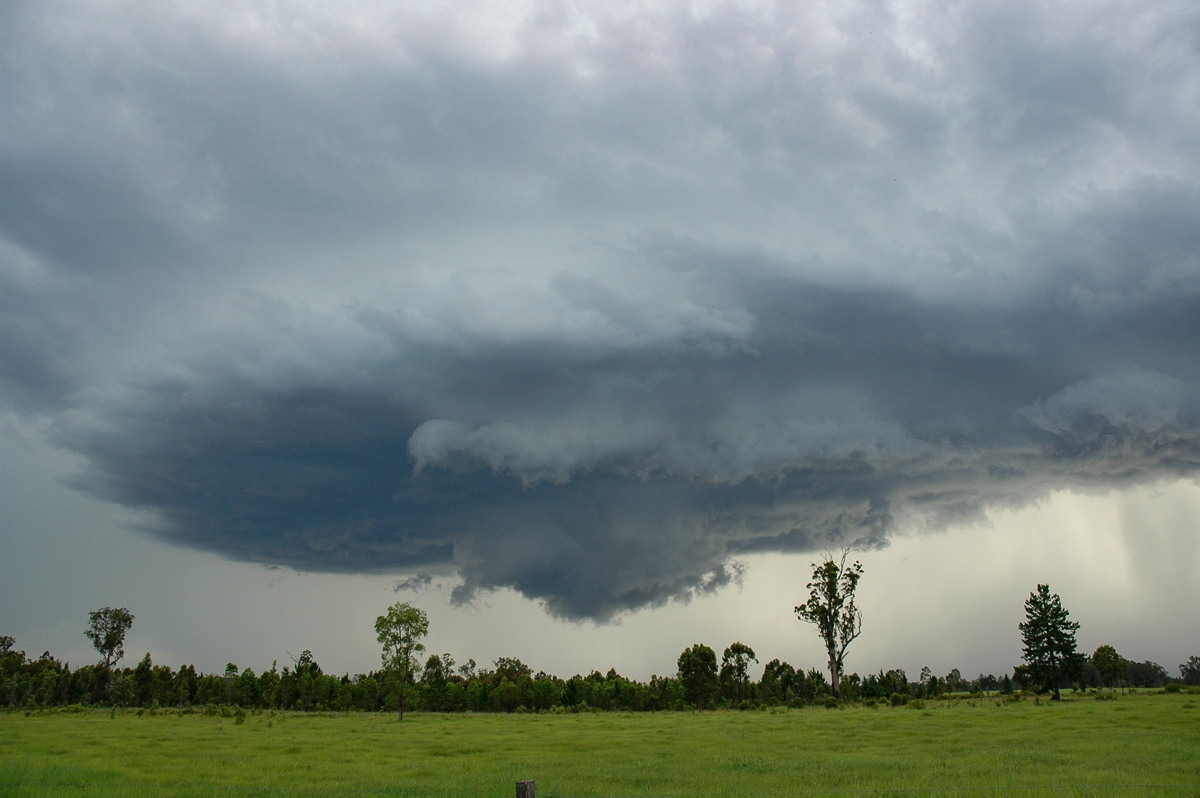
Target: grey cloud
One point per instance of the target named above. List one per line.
(605, 481)
(1139, 400)
(415, 583)
(589, 304)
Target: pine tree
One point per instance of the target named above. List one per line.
(1049, 643)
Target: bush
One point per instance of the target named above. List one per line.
(832, 703)
(916, 703)
(899, 699)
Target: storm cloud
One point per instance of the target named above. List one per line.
(589, 303)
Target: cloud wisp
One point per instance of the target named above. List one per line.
(590, 304)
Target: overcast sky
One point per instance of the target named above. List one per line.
(587, 327)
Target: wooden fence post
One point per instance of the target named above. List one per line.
(526, 789)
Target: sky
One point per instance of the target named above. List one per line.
(588, 327)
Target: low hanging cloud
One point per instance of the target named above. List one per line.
(590, 304)
(606, 479)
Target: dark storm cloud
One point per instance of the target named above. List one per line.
(607, 478)
(590, 304)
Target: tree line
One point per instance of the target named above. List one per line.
(440, 684)
(509, 685)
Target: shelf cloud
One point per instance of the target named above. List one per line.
(590, 304)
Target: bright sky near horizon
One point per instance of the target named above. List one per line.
(587, 326)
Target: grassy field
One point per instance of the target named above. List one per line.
(1134, 745)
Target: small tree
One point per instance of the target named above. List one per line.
(830, 607)
(1049, 643)
(1109, 665)
(106, 629)
(777, 684)
(400, 632)
(1147, 674)
(735, 666)
(1189, 671)
(698, 675)
(436, 676)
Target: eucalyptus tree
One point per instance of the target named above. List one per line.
(735, 666)
(698, 675)
(1189, 671)
(830, 607)
(400, 632)
(106, 629)
(1110, 666)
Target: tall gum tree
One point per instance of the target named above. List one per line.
(107, 627)
(399, 633)
(735, 664)
(830, 607)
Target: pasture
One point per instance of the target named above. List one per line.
(1147, 744)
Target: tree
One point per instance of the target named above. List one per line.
(436, 677)
(1189, 671)
(926, 681)
(777, 683)
(698, 675)
(512, 669)
(830, 607)
(1147, 674)
(400, 632)
(106, 629)
(306, 664)
(1110, 665)
(735, 664)
(1049, 643)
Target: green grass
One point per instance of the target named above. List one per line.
(1135, 745)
